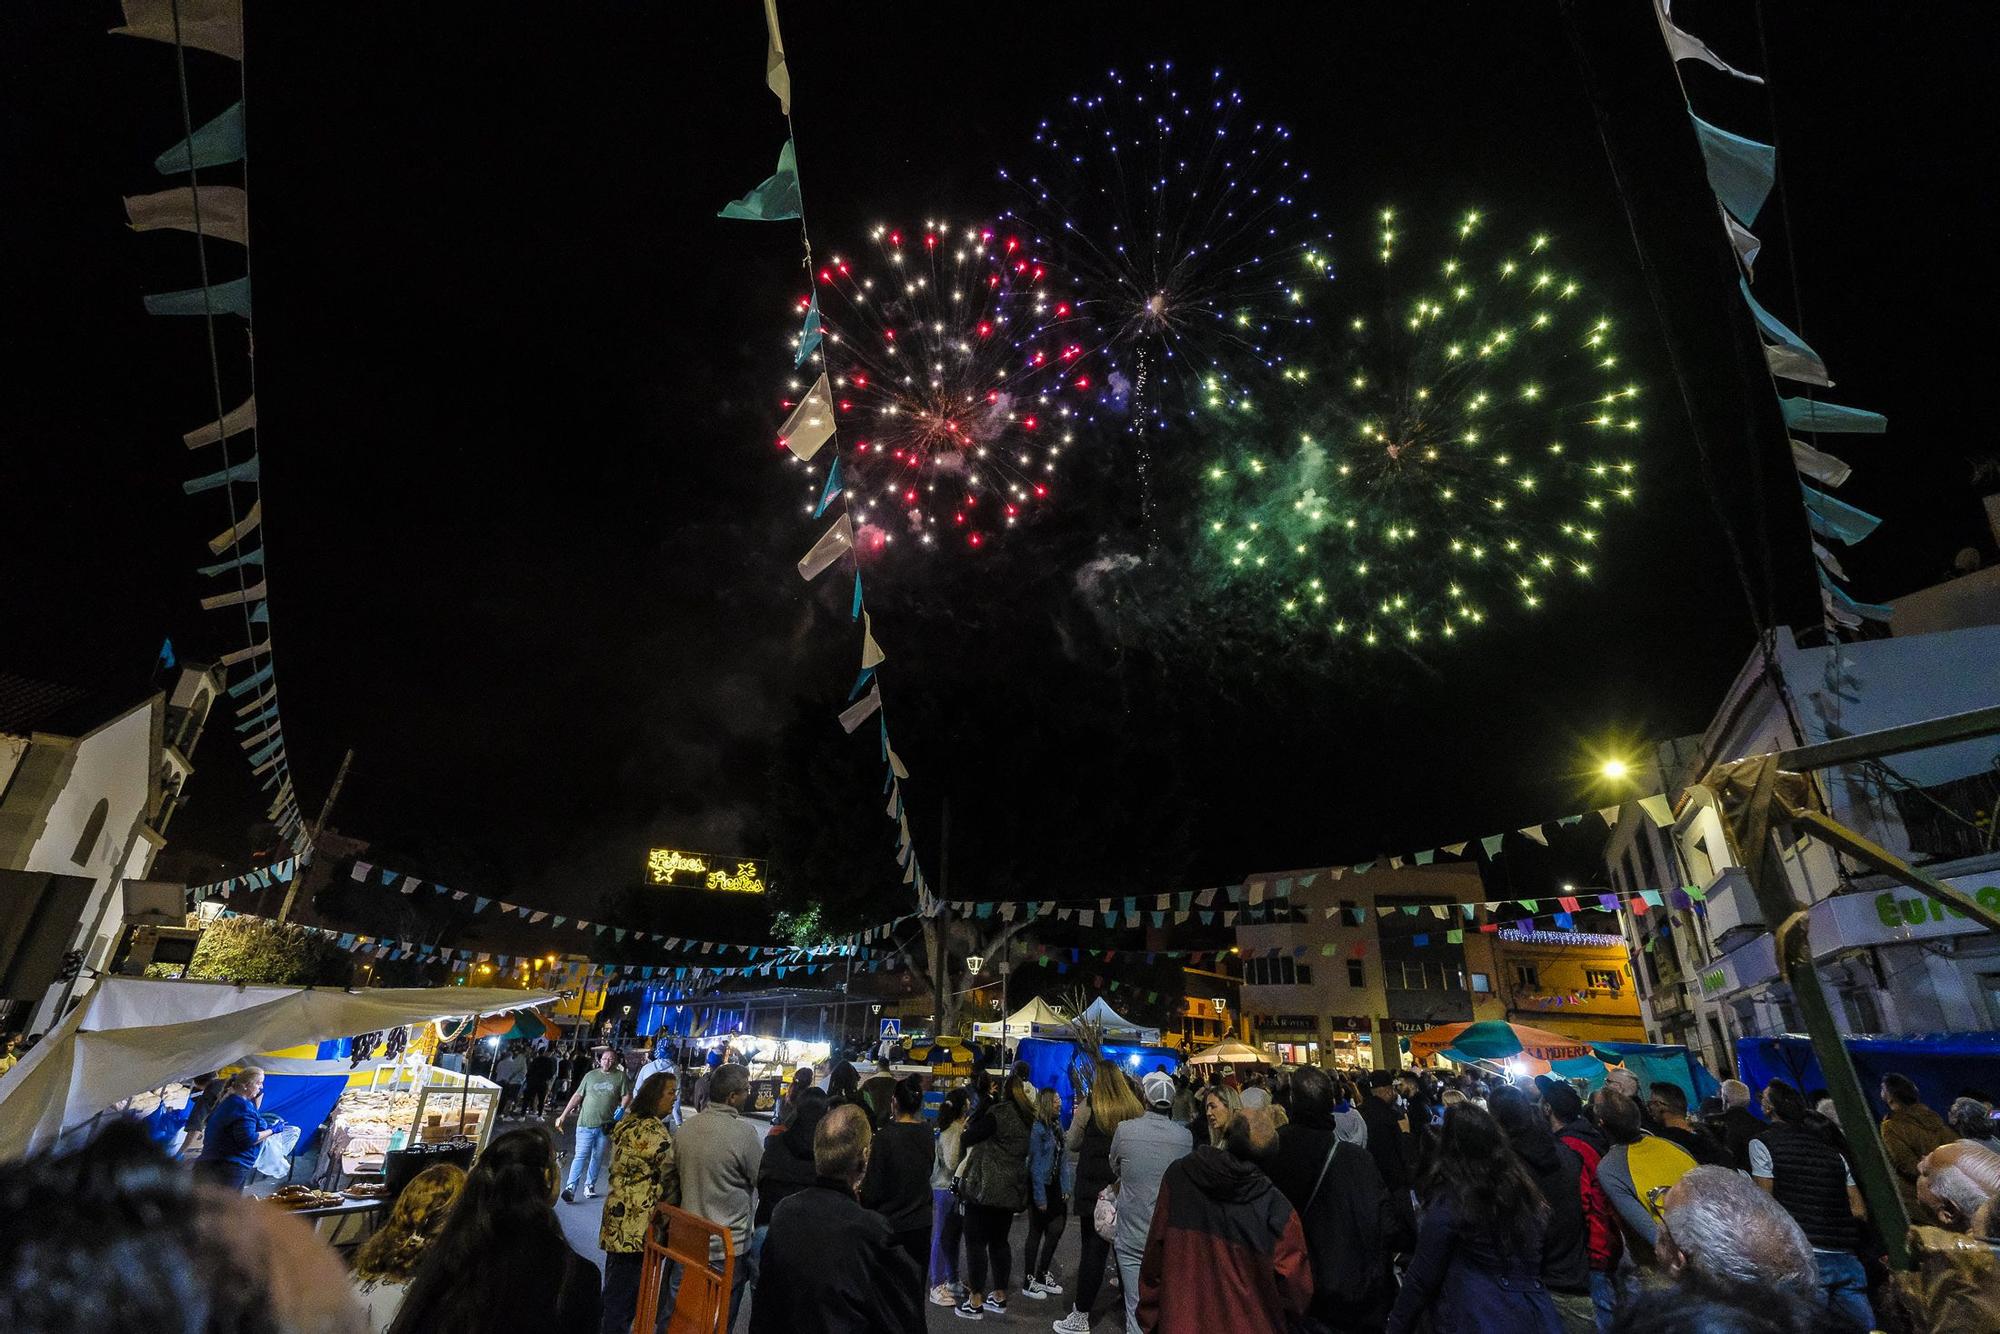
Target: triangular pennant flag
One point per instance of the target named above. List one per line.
(246, 471)
(867, 674)
(206, 25)
(810, 335)
(1784, 351)
(241, 595)
(810, 424)
(222, 211)
(239, 418)
(215, 144)
(1684, 45)
(230, 298)
(777, 77)
(1455, 849)
(834, 543)
(1821, 467)
(255, 556)
(1742, 240)
(1805, 414)
(857, 713)
(855, 615)
(1490, 844)
(1658, 810)
(1874, 611)
(243, 527)
(1534, 831)
(896, 769)
(826, 496)
(776, 199)
(1426, 857)
(1837, 519)
(1740, 171)
(1608, 814)
(1826, 558)
(1455, 936)
(871, 652)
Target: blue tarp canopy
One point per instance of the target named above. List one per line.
(1942, 1065)
(1049, 1061)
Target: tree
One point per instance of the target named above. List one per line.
(256, 949)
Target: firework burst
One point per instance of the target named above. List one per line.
(954, 406)
(1450, 445)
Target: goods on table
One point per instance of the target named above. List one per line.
(305, 1197)
(367, 1190)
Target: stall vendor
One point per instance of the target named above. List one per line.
(234, 1130)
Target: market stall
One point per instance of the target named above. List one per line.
(133, 1034)
(1512, 1049)
(1050, 1060)
(1036, 1019)
(1115, 1026)
(1230, 1052)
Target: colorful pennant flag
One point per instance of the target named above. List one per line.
(776, 199)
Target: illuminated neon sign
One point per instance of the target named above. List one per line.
(700, 870)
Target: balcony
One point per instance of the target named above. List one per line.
(1733, 914)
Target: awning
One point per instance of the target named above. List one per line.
(1535, 1050)
(1117, 1028)
(1230, 1053)
(132, 1034)
(1036, 1019)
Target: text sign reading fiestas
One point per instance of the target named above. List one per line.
(701, 870)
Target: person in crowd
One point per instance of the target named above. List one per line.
(1697, 1310)
(1417, 1106)
(112, 1236)
(1909, 1131)
(1622, 1081)
(233, 1131)
(878, 1098)
(1348, 1123)
(996, 1188)
(1719, 1230)
(1575, 1131)
(1971, 1118)
(1224, 1249)
(644, 1175)
(1477, 1264)
(898, 1181)
(802, 1079)
(1738, 1124)
(510, 1072)
(385, 1262)
(10, 1054)
(1667, 1105)
(1219, 1102)
(719, 1155)
(500, 1262)
(1560, 1176)
(1337, 1191)
(1385, 1138)
(535, 1084)
(1142, 1149)
(663, 1063)
(1049, 1180)
(830, 1264)
(1809, 1177)
(600, 1095)
(1109, 1103)
(1633, 1169)
(947, 1223)
(787, 1165)
(843, 1086)
(1953, 1283)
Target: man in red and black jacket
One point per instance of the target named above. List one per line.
(1230, 1239)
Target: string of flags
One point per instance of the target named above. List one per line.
(808, 429)
(221, 212)
(1742, 172)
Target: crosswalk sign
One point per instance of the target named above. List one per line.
(892, 1029)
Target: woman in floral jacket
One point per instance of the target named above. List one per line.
(643, 1176)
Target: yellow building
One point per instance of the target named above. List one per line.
(1570, 982)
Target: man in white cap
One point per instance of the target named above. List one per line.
(1142, 1150)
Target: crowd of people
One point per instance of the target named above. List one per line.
(1271, 1200)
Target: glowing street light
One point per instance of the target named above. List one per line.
(1615, 769)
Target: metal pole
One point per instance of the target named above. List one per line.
(326, 809)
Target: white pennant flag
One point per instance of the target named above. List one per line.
(1684, 45)
(871, 652)
(1609, 814)
(811, 422)
(1822, 467)
(254, 593)
(1658, 810)
(776, 76)
(1827, 559)
(896, 764)
(857, 713)
(1534, 831)
(1742, 240)
(224, 212)
(834, 543)
(1455, 849)
(229, 537)
(239, 418)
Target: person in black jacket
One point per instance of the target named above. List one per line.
(787, 1165)
(829, 1265)
(1738, 1125)
(1558, 1173)
(898, 1183)
(1349, 1224)
(1385, 1136)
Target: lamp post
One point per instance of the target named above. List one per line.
(1006, 968)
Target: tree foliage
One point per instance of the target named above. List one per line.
(255, 949)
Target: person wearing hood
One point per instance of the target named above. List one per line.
(1142, 1149)
(1343, 1208)
(1910, 1131)
(1477, 1267)
(1230, 1239)
(1559, 1174)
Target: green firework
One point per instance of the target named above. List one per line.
(1448, 448)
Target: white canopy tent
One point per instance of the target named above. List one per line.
(1036, 1019)
(1230, 1053)
(1117, 1028)
(133, 1034)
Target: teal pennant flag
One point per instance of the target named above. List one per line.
(215, 144)
(231, 298)
(1837, 519)
(777, 199)
(1803, 414)
(1740, 171)
(809, 337)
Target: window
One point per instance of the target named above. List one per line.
(1357, 973)
(1280, 972)
(1482, 984)
(92, 829)
(1603, 979)
(1644, 842)
(1527, 977)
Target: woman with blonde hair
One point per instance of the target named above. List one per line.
(385, 1262)
(1048, 1177)
(1219, 1102)
(1109, 1103)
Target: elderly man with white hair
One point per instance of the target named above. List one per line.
(1953, 1283)
(1718, 1228)
(1737, 1125)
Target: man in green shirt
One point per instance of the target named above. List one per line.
(600, 1095)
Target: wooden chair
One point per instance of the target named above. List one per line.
(707, 1257)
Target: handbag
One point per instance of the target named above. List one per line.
(1104, 1213)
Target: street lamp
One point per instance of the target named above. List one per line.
(975, 963)
(1615, 769)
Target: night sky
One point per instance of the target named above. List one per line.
(530, 547)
